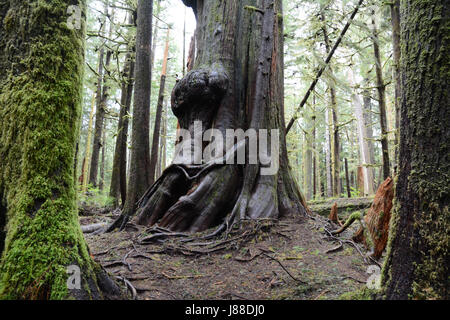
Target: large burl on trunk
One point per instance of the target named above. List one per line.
(236, 83)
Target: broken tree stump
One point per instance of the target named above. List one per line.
(334, 214)
(374, 230)
(378, 217)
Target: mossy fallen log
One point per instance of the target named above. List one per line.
(344, 205)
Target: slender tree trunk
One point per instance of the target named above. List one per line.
(162, 144)
(87, 152)
(367, 113)
(347, 179)
(363, 142)
(381, 88)
(336, 163)
(395, 20)
(314, 151)
(417, 265)
(164, 140)
(184, 43)
(99, 116)
(100, 107)
(102, 163)
(157, 127)
(335, 156)
(328, 168)
(308, 164)
(155, 34)
(139, 175)
(118, 188)
(39, 126)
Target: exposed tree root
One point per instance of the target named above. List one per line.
(187, 244)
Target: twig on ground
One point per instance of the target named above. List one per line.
(284, 268)
(321, 294)
(128, 285)
(334, 249)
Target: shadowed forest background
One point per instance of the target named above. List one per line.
(90, 117)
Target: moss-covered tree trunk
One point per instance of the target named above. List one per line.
(418, 256)
(40, 98)
(236, 82)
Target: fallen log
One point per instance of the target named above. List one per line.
(323, 207)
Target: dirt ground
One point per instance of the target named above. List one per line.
(289, 259)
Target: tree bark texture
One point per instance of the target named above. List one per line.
(139, 174)
(417, 265)
(236, 82)
(40, 106)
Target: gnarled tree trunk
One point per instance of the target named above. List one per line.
(236, 82)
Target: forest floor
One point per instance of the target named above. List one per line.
(289, 259)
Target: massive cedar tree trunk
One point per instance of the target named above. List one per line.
(417, 264)
(40, 98)
(236, 82)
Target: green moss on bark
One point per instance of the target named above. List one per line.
(418, 250)
(40, 99)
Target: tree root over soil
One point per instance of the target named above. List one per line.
(253, 255)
